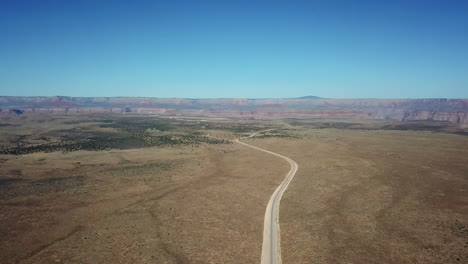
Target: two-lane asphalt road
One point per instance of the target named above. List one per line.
(271, 248)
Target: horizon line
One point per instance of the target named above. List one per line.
(245, 98)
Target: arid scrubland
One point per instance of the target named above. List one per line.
(145, 189)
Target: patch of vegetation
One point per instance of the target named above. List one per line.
(418, 125)
(277, 133)
(51, 147)
(129, 133)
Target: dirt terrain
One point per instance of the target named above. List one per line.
(162, 204)
(374, 197)
(113, 189)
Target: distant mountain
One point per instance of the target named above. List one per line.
(453, 110)
(309, 97)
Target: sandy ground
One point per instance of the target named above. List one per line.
(207, 206)
(375, 197)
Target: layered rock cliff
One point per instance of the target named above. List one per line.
(453, 110)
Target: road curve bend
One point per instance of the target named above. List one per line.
(271, 248)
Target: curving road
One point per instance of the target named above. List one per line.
(271, 248)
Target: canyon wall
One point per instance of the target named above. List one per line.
(453, 110)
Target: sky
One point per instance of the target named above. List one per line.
(241, 49)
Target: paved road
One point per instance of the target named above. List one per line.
(271, 248)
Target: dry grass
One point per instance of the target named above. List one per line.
(361, 195)
(179, 204)
(375, 197)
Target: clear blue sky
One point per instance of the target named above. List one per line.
(254, 49)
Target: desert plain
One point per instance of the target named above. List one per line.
(104, 188)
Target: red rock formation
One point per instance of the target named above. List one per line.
(453, 110)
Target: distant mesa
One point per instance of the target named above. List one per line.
(310, 97)
(17, 111)
(306, 107)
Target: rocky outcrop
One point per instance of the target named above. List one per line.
(453, 110)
